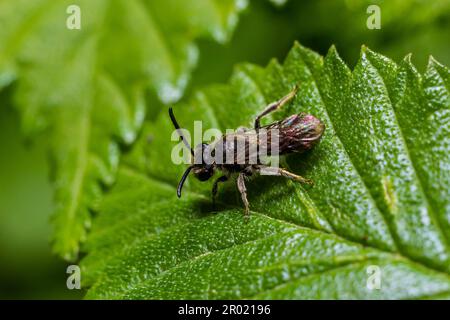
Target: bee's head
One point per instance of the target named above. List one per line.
(203, 172)
(202, 168)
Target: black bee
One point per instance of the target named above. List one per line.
(297, 133)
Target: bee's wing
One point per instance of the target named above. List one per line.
(297, 133)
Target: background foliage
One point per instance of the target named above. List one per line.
(264, 31)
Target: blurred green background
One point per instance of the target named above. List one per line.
(27, 267)
(28, 270)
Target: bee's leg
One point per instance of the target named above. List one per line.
(215, 186)
(243, 191)
(275, 106)
(282, 172)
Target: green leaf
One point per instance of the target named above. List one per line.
(380, 201)
(87, 85)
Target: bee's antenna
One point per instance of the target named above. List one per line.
(182, 138)
(183, 179)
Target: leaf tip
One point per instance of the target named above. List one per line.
(435, 66)
(367, 52)
(433, 63)
(407, 61)
(332, 53)
(409, 66)
(408, 58)
(67, 251)
(273, 61)
(363, 53)
(334, 59)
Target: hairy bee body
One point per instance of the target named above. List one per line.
(297, 133)
(244, 151)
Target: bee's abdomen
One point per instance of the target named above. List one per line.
(297, 133)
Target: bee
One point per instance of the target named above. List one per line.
(295, 134)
